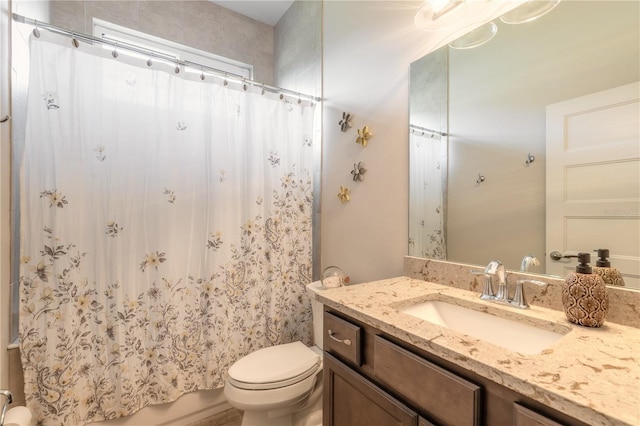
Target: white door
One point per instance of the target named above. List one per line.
(593, 180)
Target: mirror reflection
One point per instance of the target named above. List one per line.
(479, 192)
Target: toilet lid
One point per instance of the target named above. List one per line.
(274, 367)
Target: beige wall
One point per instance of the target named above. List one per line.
(199, 24)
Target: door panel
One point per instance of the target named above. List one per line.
(593, 179)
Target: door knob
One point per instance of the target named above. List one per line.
(556, 255)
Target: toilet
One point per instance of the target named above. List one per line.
(281, 385)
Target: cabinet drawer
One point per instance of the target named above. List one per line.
(526, 417)
(342, 338)
(448, 399)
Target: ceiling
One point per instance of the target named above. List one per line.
(267, 11)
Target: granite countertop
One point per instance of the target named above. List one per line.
(591, 374)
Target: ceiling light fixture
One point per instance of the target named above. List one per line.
(475, 38)
(529, 11)
(438, 15)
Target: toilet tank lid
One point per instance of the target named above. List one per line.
(274, 364)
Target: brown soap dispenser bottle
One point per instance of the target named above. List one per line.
(584, 295)
(610, 275)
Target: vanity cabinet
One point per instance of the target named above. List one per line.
(374, 379)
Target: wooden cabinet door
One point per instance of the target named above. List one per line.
(526, 417)
(448, 399)
(351, 400)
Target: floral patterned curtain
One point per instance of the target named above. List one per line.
(165, 231)
(427, 200)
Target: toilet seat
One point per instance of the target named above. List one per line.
(274, 367)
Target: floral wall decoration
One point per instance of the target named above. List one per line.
(345, 123)
(364, 135)
(358, 171)
(344, 195)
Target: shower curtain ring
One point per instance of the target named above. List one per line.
(74, 41)
(262, 91)
(115, 51)
(202, 74)
(36, 31)
(149, 61)
(299, 100)
(225, 79)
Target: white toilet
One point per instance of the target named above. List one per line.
(281, 385)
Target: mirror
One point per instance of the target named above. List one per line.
(490, 203)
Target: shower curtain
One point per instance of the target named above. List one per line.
(165, 230)
(427, 198)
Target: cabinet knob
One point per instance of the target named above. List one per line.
(332, 335)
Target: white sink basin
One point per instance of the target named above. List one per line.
(510, 334)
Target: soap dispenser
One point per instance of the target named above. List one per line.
(610, 275)
(584, 295)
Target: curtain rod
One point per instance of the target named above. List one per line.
(424, 130)
(160, 55)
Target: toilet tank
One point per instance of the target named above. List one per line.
(317, 308)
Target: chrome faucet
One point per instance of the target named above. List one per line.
(496, 268)
(528, 261)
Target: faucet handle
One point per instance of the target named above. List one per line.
(518, 298)
(487, 288)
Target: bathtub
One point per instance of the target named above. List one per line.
(186, 410)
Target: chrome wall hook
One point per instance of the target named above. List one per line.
(530, 158)
(480, 179)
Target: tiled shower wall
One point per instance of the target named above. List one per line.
(199, 24)
(298, 67)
